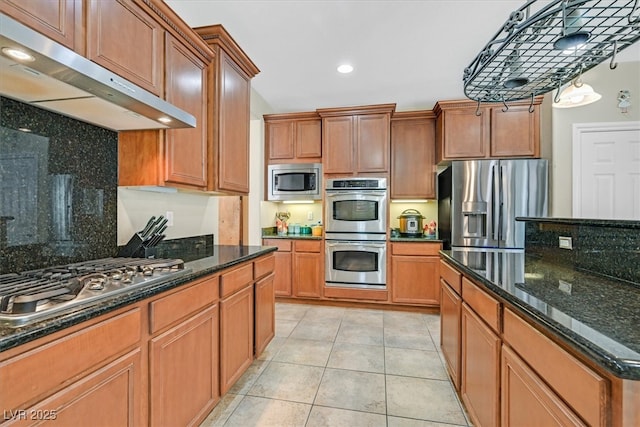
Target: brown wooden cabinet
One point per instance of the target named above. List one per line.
(464, 131)
(283, 265)
(236, 325)
(415, 273)
(480, 369)
(54, 19)
(450, 328)
(356, 139)
(265, 321)
(292, 138)
(230, 96)
(527, 400)
(308, 269)
(137, 52)
(413, 166)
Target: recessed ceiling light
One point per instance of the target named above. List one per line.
(17, 54)
(345, 68)
(164, 120)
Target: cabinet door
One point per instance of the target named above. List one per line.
(515, 132)
(372, 143)
(414, 280)
(186, 149)
(236, 336)
(413, 159)
(450, 309)
(233, 127)
(308, 274)
(308, 139)
(110, 396)
(480, 386)
(280, 140)
(183, 371)
(54, 19)
(526, 400)
(465, 135)
(126, 40)
(337, 144)
(282, 280)
(265, 321)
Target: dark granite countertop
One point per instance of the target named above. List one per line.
(223, 257)
(585, 221)
(595, 315)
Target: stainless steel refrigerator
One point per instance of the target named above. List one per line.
(479, 201)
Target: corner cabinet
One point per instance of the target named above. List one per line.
(413, 151)
(356, 139)
(293, 138)
(464, 131)
(230, 97)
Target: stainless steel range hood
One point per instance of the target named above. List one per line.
(62, 81)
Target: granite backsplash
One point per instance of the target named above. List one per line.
(606, 247)
(58, 189)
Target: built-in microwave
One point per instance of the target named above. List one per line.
(299, 181)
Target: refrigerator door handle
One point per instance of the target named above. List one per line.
(496, 199)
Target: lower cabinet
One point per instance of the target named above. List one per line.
(283, 271)
(183, 371)
(265, 319)
(480, 386)
(299, 269)
(450, 310)
(236, 336)
(415, 273)
(527, 400)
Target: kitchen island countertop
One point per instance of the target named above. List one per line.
(224, 256)
(595, 315)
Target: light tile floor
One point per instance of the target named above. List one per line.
(334, 366)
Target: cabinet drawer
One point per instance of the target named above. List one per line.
(428, 249)
(48, 367)
(263, 266)
(282, 244)
(308, 245)
(178, 305)
(236, 279)
(485, 306)
(563, 372)
(451, 276)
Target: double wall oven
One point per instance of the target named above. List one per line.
(355, 232)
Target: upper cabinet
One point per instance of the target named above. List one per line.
(413, 149)
(356, 139)
(293, 138)
(230, 96)
(464, 131)
(127, 40)
(54, 19)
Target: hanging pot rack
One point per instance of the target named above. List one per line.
(536, 52)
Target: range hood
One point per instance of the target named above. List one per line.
(544, 45)
(60, 80)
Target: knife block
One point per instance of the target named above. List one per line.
(135, 248)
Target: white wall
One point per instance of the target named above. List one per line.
(193, 214)
(608, 83)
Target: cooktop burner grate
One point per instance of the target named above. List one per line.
(38, 294)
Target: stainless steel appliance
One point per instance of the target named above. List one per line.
(355, 232)
(479, 200)
(356, 205)
(58, 79)
(411, 223)
(299, 181)
(49, 292)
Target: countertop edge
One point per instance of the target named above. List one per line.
(623, 369)
(197, 269)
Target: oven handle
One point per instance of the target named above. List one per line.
(355, 193)
(361, 244)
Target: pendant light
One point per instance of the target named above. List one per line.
(576, 95)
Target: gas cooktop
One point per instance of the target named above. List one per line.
(40, 294)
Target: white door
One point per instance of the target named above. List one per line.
(606, 171)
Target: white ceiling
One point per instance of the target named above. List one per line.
(408, 52)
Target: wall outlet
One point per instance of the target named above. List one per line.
(169, 216)
(310, 216)
(565, 242)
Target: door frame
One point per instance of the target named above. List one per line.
(579, 129)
